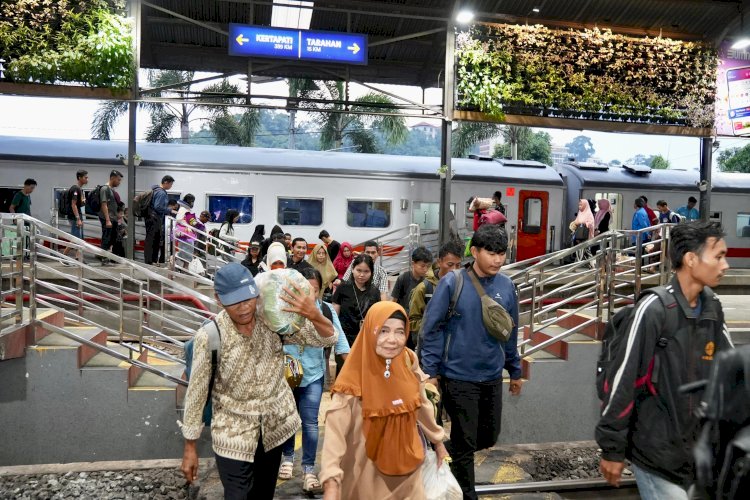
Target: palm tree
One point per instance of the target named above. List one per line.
(165, 116)
(336, 127)
(469, 133)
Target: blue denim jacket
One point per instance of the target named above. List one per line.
(461, 348)
(312, 358)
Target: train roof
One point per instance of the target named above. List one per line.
(219, 158)
(630, 176)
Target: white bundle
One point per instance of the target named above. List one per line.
(480, 204)
(270, 304)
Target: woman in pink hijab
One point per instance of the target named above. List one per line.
(603, 216)
(585, 218)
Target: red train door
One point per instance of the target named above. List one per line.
(532, 224)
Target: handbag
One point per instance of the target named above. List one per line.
(196, 267)
(293, 370)
(581, 233)
(496, 319)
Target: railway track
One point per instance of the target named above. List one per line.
(567, 489)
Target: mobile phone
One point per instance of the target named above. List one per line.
(738, 84)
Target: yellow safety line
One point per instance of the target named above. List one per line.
(508, 473)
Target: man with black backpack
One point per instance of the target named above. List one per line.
(105, 197)
(449, 258)
(468, 348)
(155, 220)
(71, 205)
(668, 339)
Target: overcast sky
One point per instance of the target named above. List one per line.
(71, 119)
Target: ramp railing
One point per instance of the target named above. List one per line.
(138, 307)
(599, 274)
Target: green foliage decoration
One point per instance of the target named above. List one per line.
(587, 74)
(74, 41)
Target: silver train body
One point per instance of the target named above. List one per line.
(359, 196)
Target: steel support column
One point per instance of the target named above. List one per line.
(135, 13)
(704, 205)
(446, 130)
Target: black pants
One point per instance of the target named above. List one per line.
(250, 480)
(475, 409)
(154, 237)
(109, 234)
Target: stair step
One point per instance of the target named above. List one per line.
(544, 356)
(152, 381)
(59, 340)
(103, 360)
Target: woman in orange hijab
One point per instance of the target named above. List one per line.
(372, 445)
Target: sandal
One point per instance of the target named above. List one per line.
(311, 484)
(285, 471)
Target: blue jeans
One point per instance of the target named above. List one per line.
(75, 230)
(308, 405)
(653, 487)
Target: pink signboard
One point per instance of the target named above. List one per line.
(733, 92)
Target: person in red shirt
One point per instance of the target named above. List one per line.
(652, 217)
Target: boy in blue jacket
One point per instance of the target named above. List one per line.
(468, 360)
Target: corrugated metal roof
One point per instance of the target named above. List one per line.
(171, 43)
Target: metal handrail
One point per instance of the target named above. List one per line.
(42, 244)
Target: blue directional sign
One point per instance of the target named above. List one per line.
(262, 41)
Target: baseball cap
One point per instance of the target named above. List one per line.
(255, 243)
(234, 283)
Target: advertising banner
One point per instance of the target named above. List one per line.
(733, 92)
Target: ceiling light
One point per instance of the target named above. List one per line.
(465, 17)
(287, 15)
(535, 10)
(741, 43)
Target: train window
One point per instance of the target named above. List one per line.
(58, 192)
(427, 214)
(6, 196)
(218, 204)
(743, 225)
(299, 211)
(364, 213)
(532, 215)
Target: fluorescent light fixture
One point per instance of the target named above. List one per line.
(741, 43)
(287, 15)
(464, 17)
(535, 10)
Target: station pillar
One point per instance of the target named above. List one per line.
(704, 204)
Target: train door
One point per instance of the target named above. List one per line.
(427, 214)
(615, 203)
(532, 224)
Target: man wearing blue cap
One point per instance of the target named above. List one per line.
(254, 411)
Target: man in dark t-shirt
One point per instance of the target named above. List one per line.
(21, 203)
(77, 201)
(332, 245)
(421, 260)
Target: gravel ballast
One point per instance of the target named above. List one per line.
(159, 484)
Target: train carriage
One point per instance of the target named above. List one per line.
(356, 197)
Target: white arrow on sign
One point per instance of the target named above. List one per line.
(241, 39)
(354, 48)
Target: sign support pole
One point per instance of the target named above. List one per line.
(135, 12)
(446, 135)
(704, 205)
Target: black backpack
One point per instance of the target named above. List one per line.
(615, 337)
(65, 201)
(722, 451)
(93, 201)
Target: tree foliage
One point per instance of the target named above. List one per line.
(80, 41)
(581, 147)
(356, 127)
(659, 162)
(215, 100)
(536, 146)
(467, 134)
(734, 159)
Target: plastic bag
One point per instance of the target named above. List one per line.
(270, 286)
(196, 267)
(439, 484)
